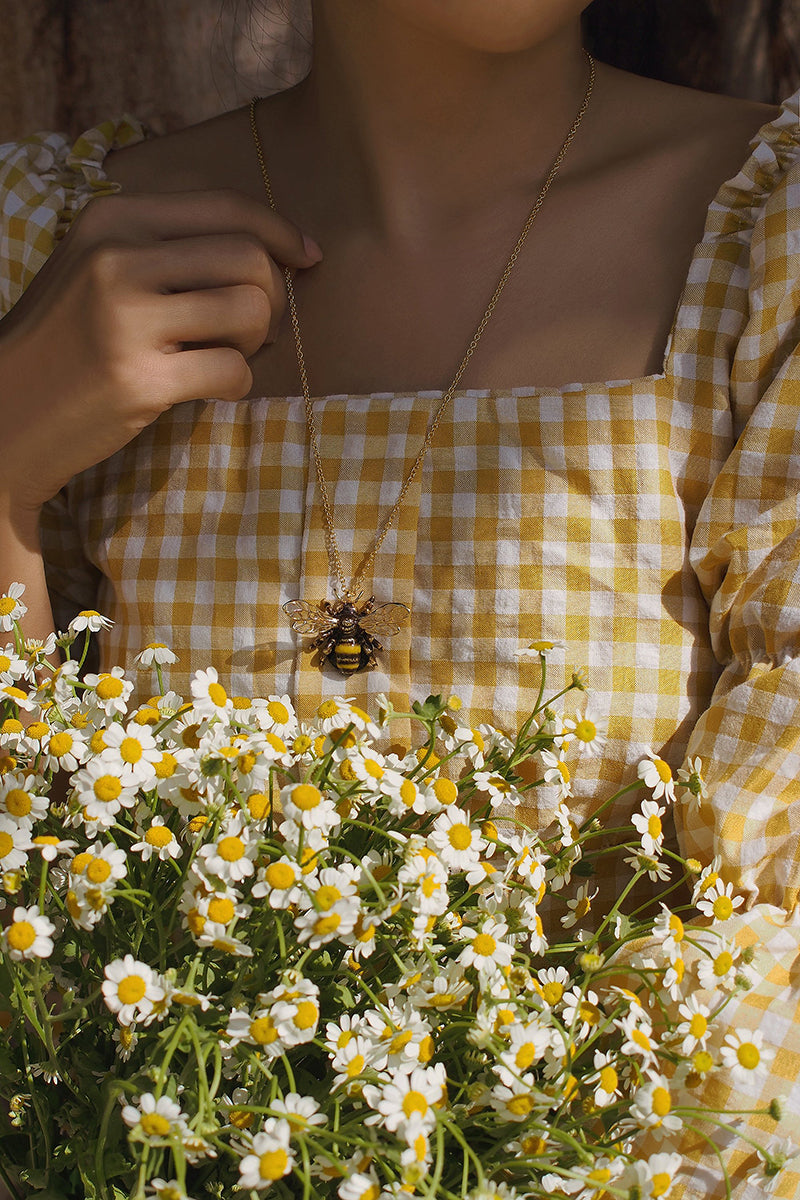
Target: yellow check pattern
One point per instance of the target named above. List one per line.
(650, 524)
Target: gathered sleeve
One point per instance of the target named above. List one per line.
(45, 181)
(745, 551)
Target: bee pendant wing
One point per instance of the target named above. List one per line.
(307, 619)
(385, 620)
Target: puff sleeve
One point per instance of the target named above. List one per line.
(745, 552)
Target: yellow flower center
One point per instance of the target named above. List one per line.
(526, 1054)
(258, 805)
(158, 835)
(520, 1106)
(131, 989)
(130, 750)
(7, 606)
(702, 1062)
(676, 928)
(107, 788)
(722, 908)
(459, 836)
(217, 695)
(277, 744)
(662, 1101)
(585, 730)
(662, 769)
(609, 1079)
(654, 826)
(552, 992)
(230, 848)
(640, 1039)
(279, 712)
(279, 875)
(355, 1066)
(305, 796)
(328, 708)
(723, 963)
(98, 870)
(18, 802)
(306, 1015)
(302, 744)
(589, 1012)
(660, 1183)
(221, 910)
(698, 1025)
(373, 768)
(484, 945)
(21, 935)
(414, 1102)
(445, 791)
(263, 1031)
(37, 730)
(109, 687)
(408, 792)
(61, 743)
(326, 925)
(748, 1055)
(327, 896)
(155, 1125)
(273, 1164)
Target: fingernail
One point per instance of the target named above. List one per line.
(311, 248)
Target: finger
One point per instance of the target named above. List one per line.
(236, 316)
(217, 373)
(168, 215)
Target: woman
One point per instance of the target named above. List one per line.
(611, 516)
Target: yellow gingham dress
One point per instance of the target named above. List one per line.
(649, 524)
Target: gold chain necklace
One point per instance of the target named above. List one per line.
(345, 634)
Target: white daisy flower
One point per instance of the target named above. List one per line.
(694, 1028)
(656, 868)
(101, 792)
(648, 824)
(652, 1106)
(579, 906)
(539, 648)
(126, 1038)
(657, 776)
(270, 1156)
(655, 1176)
(349, 1061)
(158, 839)
(499, 790)
(110, 691)
(718, 968)
(64, 750)
(231, 856)
(306, 805)
(638, 1034)
(458, 844)
(486, 947)
(280, 882)
(691, 778)
(153, 1121)
(131, 989)
(415, 1092)
(556, 773)
(360, 1186)
(581, 1011)
(50, 846)
(91, 620)
(19, 800)
(29, 935)
(12, 667)
(14, 843)
(130, 751)
(589, 733)
(719, 901)
(11, 607)
(209, 698)
(605, 1079)
(745, 1055)
(669, 930)
(155, 654)
(100, 865)
(302, 1112)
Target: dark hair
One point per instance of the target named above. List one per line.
(747, 48)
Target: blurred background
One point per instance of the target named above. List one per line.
(65, 64)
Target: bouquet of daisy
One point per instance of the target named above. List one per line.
(246, 955)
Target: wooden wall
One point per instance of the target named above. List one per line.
(65, 64)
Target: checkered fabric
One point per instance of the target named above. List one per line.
(649, 524)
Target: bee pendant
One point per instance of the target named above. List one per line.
(345, 634)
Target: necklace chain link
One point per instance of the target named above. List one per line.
(343, 591)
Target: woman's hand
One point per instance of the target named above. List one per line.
(149, 300)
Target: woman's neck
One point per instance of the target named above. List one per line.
(410, 131)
